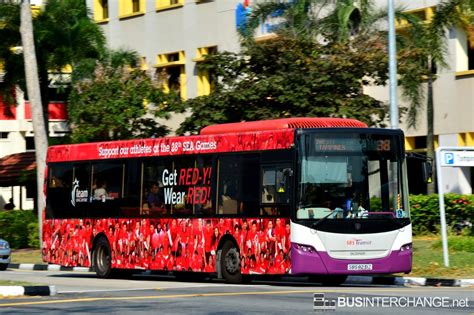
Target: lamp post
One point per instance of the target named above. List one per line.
(392, 61)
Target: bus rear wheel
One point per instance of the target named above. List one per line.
(230, 263)
(102, 258)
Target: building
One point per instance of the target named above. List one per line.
(453, 102)
(172, 37)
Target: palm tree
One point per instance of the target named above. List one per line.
(327, 21)
(32, 84)
(63, 33)
(423, 51)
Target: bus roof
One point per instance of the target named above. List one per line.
(274, 134)
(283, 123)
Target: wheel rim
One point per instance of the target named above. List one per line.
(102, 259)
(232, 261)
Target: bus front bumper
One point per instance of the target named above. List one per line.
(307, 261)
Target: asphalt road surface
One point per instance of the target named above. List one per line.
(83, 293)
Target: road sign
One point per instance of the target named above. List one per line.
(457, 158)
(449, 157)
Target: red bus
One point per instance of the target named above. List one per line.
(233, 201)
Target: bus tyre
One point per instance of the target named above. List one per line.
(3, 267)
(102, 258)
(230, 263)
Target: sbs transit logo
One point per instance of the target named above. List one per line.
(358, 242)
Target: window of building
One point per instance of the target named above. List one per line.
(128, 8)
(168, 4)
(464, 52)
(101, 10)
(170, 68)
(30, 143)
(4, 135)
(205, 83)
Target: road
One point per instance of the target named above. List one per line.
(83, 293)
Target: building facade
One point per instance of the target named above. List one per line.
(176, 33)
(173, 36)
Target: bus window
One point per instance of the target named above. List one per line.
(238, 184)
(107, 181)
(185, 177)
(203, 196)
(59, 191)
(158, 187)
(81, 189)
(107, 188)
(275, 189)
(130, 202)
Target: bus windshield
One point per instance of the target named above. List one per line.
(350, 175)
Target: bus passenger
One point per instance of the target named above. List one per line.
(155, 201)
(101, 192)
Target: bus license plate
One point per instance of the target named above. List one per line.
(359, 267)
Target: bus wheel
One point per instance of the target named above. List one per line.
(102, 258)
(230, 263)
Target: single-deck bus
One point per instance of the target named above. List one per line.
(322, 197)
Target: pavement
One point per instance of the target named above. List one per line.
(366, 280)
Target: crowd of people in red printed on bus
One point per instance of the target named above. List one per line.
(171, 244)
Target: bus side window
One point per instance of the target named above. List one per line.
(275, 188)
(59, 191)
(238, 184)
(158, 183)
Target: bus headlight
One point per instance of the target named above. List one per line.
(305, 248)
(406, 247)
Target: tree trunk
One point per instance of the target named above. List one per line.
(430, 151)
(33, 88)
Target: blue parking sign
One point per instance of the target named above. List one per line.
(449, 158)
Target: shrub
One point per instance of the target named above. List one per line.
(19, 228)
(425, 213)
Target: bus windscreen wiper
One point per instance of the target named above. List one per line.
(334, 212)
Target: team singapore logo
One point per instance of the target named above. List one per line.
(78, 195)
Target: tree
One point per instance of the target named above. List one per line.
(33, 87)
(314, 67)
(423, 51)
(117, 100)
(64, 34)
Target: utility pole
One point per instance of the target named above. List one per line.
(34, 94)
(392, 60)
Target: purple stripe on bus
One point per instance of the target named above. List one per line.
(305, 262)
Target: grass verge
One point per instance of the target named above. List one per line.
(428, 258)
(26, 256)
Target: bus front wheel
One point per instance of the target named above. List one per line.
(230, 263)
(102, 258)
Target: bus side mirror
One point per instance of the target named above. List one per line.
(427, 170)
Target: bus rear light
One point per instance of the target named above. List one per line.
(406, 247)
(305, 248)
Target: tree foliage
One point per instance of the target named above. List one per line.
(116, 101)
(64, 35)
(292, 76)
(423, 49)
